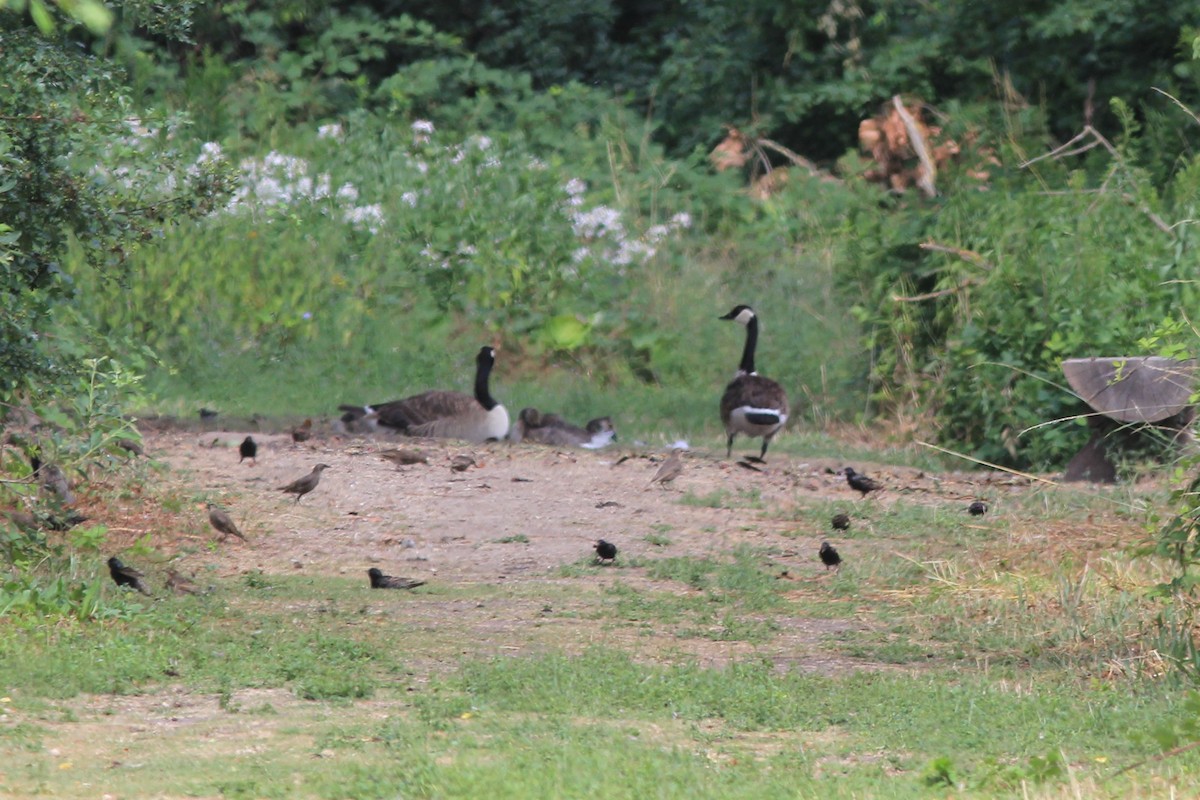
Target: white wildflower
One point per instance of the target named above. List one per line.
(347, 192)
(575, 186)
(331, 131)
(681, 220)
(410, 198)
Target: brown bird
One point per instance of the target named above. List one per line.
(404, 457)
(179, 584)
(670, 469)
(840, 522)
(126, 576)
(53, 479)
(381, 581)
(302, 432)
(224, 523)
(248, 449)
(829, 556)
(461, 463)
(302, 486)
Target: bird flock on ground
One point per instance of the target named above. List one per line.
(751, 405)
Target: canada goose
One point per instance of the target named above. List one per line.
(441, 414)
(551, 429)
(752, 405)
(305, 484)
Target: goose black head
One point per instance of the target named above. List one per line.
(740, 313)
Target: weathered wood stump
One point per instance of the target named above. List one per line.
(1127, 389)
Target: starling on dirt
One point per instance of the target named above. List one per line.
(65, 523)
(381, 581)
(605, 551)
(302, 432)
(829, 556)
(861, 483)
(840, 522)
(461, 463)
(248, 449)
(670, 469)
(126, 576)
(977, 508)
(302, 486)
(224, 523)
(179, 584)
(131, 447)
(404, 457)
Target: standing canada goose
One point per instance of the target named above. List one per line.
(551, 429)
(445, 415)
(752, 405)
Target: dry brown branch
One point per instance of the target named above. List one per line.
(1174, 100)
(917, 298)
(1174, 751)
(970, 256)
(927, 177)
(796, 159)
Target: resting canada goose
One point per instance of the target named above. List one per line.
(551, 429)
(752, 405)
(445, 415)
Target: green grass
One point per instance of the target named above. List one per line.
(987, 658)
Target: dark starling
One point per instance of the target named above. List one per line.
(670, 469)
(977, 508)
(404, 457)
(302, 432)
(302, 486)
(126, 576)
(829, 556)
(207, 414)
(248, 449)
(65, 523)
(224, 523)
(130, 446)
(605, 551)
(381, 581)
(179, 584)
(861, 483)
(840, 522)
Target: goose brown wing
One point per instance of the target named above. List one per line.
(423, 409)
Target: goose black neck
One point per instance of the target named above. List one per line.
(483, 369)
(747, 365)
